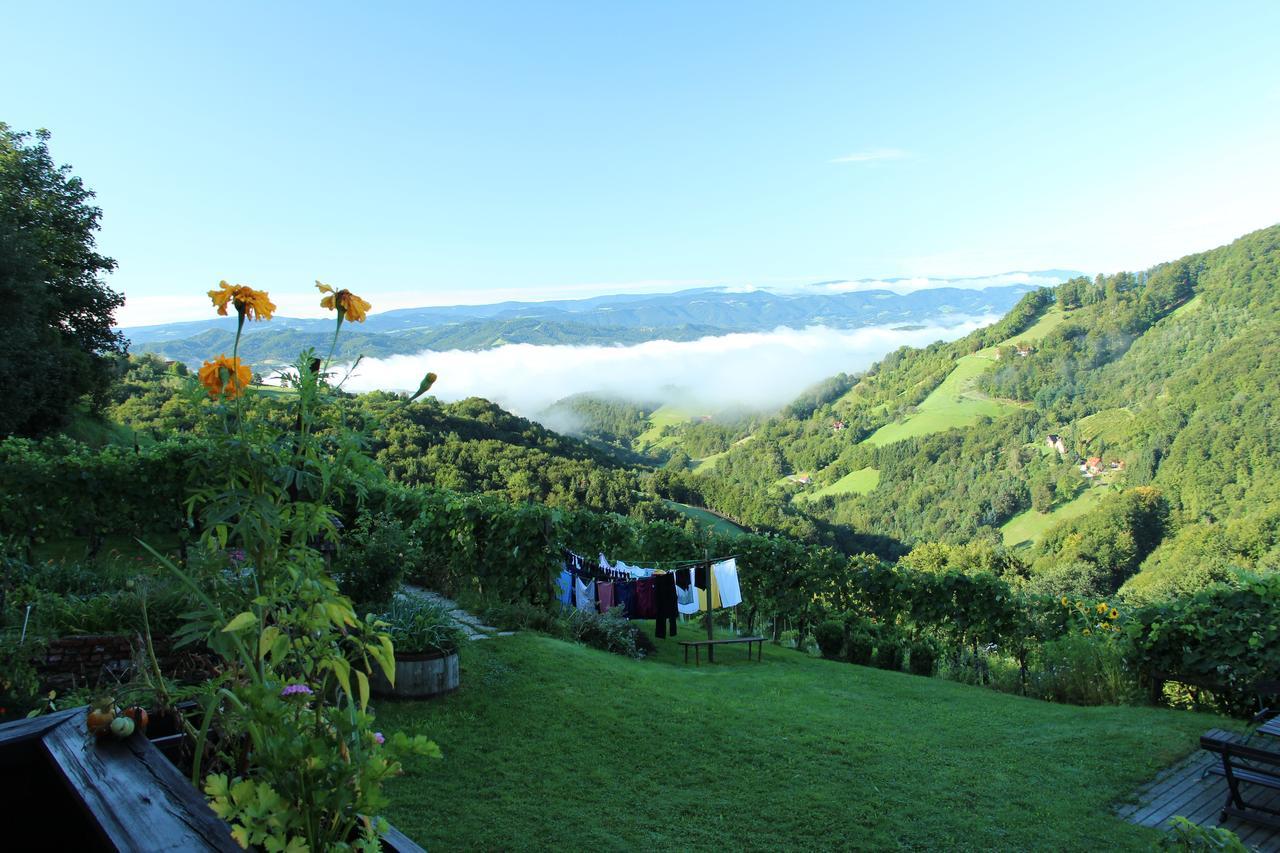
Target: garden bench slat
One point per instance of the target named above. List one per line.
(697, 645)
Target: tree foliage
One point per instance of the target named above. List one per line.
(58, 312)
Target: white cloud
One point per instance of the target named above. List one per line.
(872, 155)
(913, 284)
(757, 370)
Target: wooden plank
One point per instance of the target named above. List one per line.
(1186, 786)
(137, 798)
(34, 727)
(399, 842)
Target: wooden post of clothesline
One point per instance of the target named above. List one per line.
(706, 561)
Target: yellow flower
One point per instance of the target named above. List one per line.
(1066, 602)
(252, 304)
(1087, 632)
(1113, 615)
(1102, 607)
(348, 305)
(1079, 605)
(225, 376)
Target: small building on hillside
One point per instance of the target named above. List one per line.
(802, 479)
(1055, 442)
(1023, 350)
(838, 426)
(1094, 464)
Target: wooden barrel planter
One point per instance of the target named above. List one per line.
(419, 676)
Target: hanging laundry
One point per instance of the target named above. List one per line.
(726, 573)
(700, 579)
(604, 595)
(586, 597)
(564, 588)
(646, 606)
(665, 605)
(624, 594)
(687, 598)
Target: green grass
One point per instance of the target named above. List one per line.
(663, 416)
(1026, 528)
(956, 402)
(858, 482)
(706, 463)
(706, 518)
(549, 745)
(1114, 426)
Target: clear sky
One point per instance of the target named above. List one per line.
(430, 153)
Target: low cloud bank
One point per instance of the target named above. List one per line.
(756, 370)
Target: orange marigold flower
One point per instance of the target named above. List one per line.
(225, 376)
(253, 304)
(347, 304)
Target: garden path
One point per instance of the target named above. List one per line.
(468, 622)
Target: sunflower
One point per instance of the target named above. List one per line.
(250, 304)
(1113, 615)
(1101, 608)
(347, 304)
(225, 376)
(1066, 602)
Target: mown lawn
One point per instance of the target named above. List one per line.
(550, 745)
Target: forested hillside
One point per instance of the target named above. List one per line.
(1117, 432)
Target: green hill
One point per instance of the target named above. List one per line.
(1166, 377)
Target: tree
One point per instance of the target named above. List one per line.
(58, 313)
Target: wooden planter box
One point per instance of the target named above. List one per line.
(419, 676)
(67, 790)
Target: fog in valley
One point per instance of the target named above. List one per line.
(755, 370)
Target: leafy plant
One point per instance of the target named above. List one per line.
(830, 638)
(417, 625)
(1185, 835)
(923, 659)
(303, 766)
(890, 652)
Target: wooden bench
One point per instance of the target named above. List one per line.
(1251, 762)
(711, 646)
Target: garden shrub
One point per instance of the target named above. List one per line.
(1084, 669)
(611, 631)
(859, 646)
(890, 651)
(830, 637)
(375, 558)
(923, 658)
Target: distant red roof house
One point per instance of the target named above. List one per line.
(837, 426)
(1094, 464)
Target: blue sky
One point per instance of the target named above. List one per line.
(424, 154)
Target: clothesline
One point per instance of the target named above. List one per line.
(646, 593)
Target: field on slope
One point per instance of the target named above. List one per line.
(550, 745)
(857, 482)
(706, 518)
(957, 402)
(1027, 527)
(663, 416)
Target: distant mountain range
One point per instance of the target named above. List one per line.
(613, 319)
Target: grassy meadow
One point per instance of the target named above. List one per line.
(550, 745)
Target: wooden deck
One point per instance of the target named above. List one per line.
(1186, 790)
